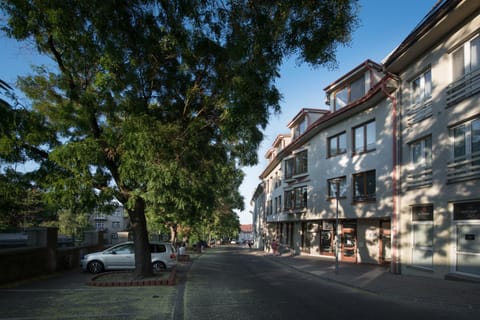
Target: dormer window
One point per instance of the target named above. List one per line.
(300, 128)
(353, 91)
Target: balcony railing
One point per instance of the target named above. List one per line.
(463, 88)
(419, 111)
(465, 168)
(99, 217)
(419, 178)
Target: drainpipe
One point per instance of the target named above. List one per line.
(395, 265)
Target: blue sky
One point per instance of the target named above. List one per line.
(383, 25)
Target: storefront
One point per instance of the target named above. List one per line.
(361, 240)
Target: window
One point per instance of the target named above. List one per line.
(115, 225)
(422, 236)
(341, 99)
(357, 89)
(278, 204)
(296, 165)
(466, 59)
(301, 162)
(337, 144)
(332, 187)
(296, 198)
(289, 168)
(269, 208)
(364, 137)
(466, 139)
(300, 128)
(99, 225)
(364, 186)
(421, 88)
(421, 153)
(350, 93)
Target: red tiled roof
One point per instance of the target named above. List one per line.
(246, 228)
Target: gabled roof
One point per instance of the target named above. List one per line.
(444, 17)
(355, 72)
(373, 96)
(302, 113)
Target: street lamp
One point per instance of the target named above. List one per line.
(337, 238)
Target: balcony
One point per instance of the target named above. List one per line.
(418, 112)
(465, 168)
(100, 217)
(463, 88)
(419, 178)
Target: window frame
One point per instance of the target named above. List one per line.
(464, 52)
(345, 93)
(426, 156)
(296, 198)
(337, 139)
(424, 88)
(301, 162)
(365, 148)
(332, 186)
(366, 197)
(467, 139)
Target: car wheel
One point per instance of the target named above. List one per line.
(95, 267)
(158, 266)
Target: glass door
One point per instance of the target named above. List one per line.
(349, 244)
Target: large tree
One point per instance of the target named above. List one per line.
(152, 98)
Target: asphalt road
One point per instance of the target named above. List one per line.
(224, 283)
(228, 283)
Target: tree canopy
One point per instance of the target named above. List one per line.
(158, 102)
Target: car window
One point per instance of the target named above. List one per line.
(124, 249)
(157, 248)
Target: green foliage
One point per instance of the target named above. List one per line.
(158, 102)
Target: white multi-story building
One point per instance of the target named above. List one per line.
(439, 145)
(395, 160)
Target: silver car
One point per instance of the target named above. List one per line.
(122, 256)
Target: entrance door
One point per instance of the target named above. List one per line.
(385, 242)
(468, 248)
(349, 244)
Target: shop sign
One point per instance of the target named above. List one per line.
(422, 213)
(466, 211)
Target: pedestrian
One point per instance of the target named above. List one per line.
(181, 250)
(275, 247)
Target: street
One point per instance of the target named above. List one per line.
(230, 283)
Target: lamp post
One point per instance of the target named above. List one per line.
(337, 238)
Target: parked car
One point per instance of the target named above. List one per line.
(122, 256)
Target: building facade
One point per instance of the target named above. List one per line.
(391, 169)
(439, 97)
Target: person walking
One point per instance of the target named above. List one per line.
(275, 247)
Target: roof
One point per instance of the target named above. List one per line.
(246, 228)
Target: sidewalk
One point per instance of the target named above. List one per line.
(378, 280)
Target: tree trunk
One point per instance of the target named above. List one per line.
(143, 265)
(173, 233)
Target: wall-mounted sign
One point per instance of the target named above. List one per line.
(466, 211)
(470, 237)
(422, 213)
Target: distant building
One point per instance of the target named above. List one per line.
(111, 223)
(246, 232)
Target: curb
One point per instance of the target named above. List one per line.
(172, 280)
